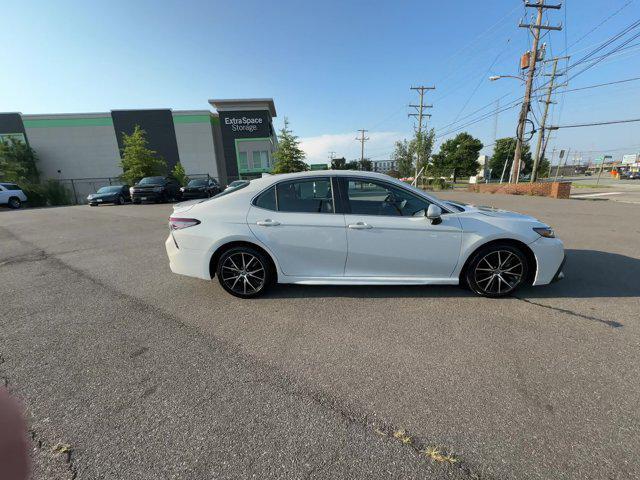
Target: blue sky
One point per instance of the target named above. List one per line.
(332, 67)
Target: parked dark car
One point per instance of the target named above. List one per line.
(201, 188)
(116, 194)
(155, 189)
(634, 175)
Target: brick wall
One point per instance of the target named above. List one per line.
(542, 189)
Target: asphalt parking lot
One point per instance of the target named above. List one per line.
(145, 374)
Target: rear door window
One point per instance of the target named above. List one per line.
(306, 196)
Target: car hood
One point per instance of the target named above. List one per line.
(497, 214)
(104, 195)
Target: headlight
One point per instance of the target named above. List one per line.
(182, 189)
(158, 189)
(131, 190)
(545, 232)
(89, 197)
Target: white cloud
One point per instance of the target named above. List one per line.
(378, 147)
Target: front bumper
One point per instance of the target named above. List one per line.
(549, 253)
(147, 196)
(193, 195)
(98, 201)
(559, 274)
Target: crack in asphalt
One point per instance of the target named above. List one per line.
(278, 379)
(610, 323)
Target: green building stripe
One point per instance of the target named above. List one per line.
(214, 120)
(67, 122)
(190, 118)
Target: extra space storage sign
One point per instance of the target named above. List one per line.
(245, 124)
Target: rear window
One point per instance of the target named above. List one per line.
(267, 199)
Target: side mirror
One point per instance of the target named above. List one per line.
(434, 212)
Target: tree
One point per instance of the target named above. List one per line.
(459, 153)
(338, 163)
(503, 152)
(18, 162)
(179, 174)
(421, 147)
(402, 156)
(289, 156)
(352, 165)
(365, 165)
(139, 161)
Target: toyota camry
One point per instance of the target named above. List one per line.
(356, 228)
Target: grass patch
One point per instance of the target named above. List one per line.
(436, 455)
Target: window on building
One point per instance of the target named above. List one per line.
(260, 159)
(305, 196)
(242, 161)
(379, 198)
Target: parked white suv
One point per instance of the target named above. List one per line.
(11, 195)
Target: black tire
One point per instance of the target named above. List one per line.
(14, 202)
(497, 270)
(244, 272)
(119, 201)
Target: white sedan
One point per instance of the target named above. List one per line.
(356, 228)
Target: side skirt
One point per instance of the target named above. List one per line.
(367, 280)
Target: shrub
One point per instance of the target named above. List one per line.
(51, 193)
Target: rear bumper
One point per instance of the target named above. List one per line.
(191, 263)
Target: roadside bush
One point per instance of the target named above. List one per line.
(51, 193)
(437, 184)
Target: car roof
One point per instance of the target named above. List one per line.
(319, 173)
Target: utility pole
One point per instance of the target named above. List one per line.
(495, 122)
(362, 139)
(539, 147)
(533, 58)
(420, 114)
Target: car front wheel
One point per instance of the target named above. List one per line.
(497, 270)
(244, 272)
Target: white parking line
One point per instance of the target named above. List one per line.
(603, 194)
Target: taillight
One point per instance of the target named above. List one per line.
(180, 223)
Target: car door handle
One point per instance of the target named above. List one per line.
(360, 226)
(268, 223)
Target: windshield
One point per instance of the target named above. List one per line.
(109, 189)
(197, 183)
(151, 180)
(237, 183)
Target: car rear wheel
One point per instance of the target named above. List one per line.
(244, 272)
(119, 200)
(14, 202)
(497, 270)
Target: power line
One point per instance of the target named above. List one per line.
(611, 122)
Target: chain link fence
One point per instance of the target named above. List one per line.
(79, 188)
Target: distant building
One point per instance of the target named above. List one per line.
(235, 141)
(384, 166)
(483, 169)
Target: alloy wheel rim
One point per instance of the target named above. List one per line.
(243, 273)
(499, 272)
